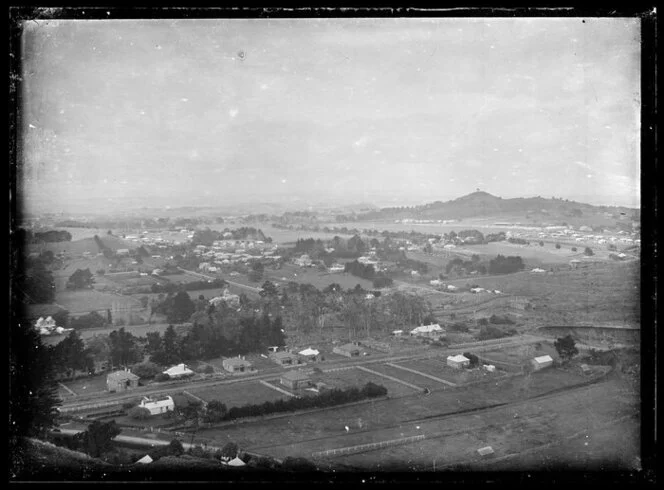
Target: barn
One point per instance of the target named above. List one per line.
(541, 362)
(458, 362)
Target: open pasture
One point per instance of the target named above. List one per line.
(519, 355)
(439, 369)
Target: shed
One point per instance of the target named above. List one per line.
(397, 333)
(542, 362)
(121, 381)
(348, 350)
(458, 362)
(295, 379)
(179, 371)
(585, 369)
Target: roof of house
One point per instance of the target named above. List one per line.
(166, 401)
(295, 376)
(458, 358)
(542, 359)
(348, 347)
(236, 462)
(484, 451)
(434, 327)
(145, 459)
(236, 361)
(309, 352)
(179, 369)
(122, 375)
(282, 355)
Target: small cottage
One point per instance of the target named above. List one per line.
(541, 362)
(121, 381)
(458, 362)
(237, 365)
(310, 355)
(295, 380)
(432, 330)
(159, 405)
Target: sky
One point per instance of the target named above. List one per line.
(400, 111)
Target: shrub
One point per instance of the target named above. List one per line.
(490, 332)
(459, 327)
(146, 370)
(162, 377)
(574, 249)
(558, 245)
(588, 251)
(208, 369)
(230, 450)
(474, 360)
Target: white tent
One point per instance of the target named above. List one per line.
(145, 459)
(236, 462)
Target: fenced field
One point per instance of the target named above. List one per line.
(238, 394)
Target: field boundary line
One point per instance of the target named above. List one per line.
(276, 388)
(449, 383)
(69, 390)
(386, 376)
(191, 395)
(367, 447)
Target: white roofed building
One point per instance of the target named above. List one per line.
(541, 362)
(158, 405)
(433, 330)
(179, 371)
(458, 362)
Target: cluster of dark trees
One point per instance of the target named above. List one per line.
(177, 307)
(460, 266)
(327, 398)
(368, 272)
(506, 265)
(213, 336)
(80, 279)
(519, 241)
(488, 332)
(51, 236)
(36, 283)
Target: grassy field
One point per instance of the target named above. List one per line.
(235, 395)
(82, 301)
(517, 355)
(83, 386)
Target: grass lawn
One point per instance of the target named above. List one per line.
(235, 395)
(305, 275)
(84, 386)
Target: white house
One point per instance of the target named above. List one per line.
(541, 362)
(435, 282)
(303, 261)
(179, 371)
(458, 362)
(122, 251)
(397, 333)
(427, 330)
(537, 269)
(145, 459)
(477, 290)
(450, 287)
(337, 268)
(159, 405)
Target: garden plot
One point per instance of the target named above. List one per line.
(85, 386)
(238, 394)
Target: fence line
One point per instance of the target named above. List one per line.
(397, 380)
(367, 447)
(448, 383)
(276, 388)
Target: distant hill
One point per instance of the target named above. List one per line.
(484, 205)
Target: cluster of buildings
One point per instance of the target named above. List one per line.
(229, 252)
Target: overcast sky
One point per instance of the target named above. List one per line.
(387, 111)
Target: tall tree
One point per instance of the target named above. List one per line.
(32, 395)
(80, 279)
(123, 348)
(98, 438)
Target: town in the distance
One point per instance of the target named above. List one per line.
(479, 333)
